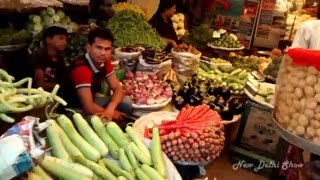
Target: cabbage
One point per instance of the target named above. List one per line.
(48, 21)
(36, 19)
(56, 18)
(43, 13)
(74, 26)
(64, 22)
(37, 28)
(60, 14)
(67, 19)
(51, 11)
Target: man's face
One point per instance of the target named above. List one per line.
(59, 42)
(100, 50)
(171, 11)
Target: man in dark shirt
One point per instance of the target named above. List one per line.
(48, 67)
(161, 21)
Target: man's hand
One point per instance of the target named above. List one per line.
(110, 114)
(174, 44)
(117, 115)
(106, 114)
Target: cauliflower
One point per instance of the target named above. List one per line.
(216, 34)
(175, 18)
(181, 17)
(236, 39)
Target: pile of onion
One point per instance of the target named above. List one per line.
(146, 89)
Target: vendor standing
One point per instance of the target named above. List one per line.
(86, 76)
(48, 66)
(161, 21)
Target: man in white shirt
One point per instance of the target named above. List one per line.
(308, 35)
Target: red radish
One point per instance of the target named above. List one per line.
(195, 145)
(216, 141)
(184, 139)
(183, 151)
(192, 155)
(190, 140)
(187, 146)
(195, 159)
(165, 151)
(168, 144)
(206, 139)
(179, 141)
(180, 155)
(174, 142)
(190, 151)
(189, 159)
(181, 146)
(194, 135)
(172, 153)
(163, 146)
(187, 135)
(202, 150)
(198, 155)
(175, 148)
(175, 158)
(202, 137)
(201, 159)
(177, 134)
(169, 149)
(171, 136)
(196, 151)
(202, 144)
(182, 159)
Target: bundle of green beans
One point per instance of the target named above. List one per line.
(132, 28)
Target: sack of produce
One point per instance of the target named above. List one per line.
(154, 62)
(128, 56)
(297, 107)
(186, 59)
(158, 69)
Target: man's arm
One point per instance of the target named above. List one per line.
(86, 100)
(40, 82)
(170, 41)
(301, 38)
(117, 90)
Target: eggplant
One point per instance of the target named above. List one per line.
(194, 101)
(179, 102)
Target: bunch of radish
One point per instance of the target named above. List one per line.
(146, 89)
(197, 135)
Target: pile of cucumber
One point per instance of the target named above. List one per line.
(80, 152)
(226, 75)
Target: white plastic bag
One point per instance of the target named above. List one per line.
(185, 63)
(159, 69)
(128, 60)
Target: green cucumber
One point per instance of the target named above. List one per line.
(157, 154)
(117, 135)
(151, 173)
(88, 133)
(87, 150)
(105, 136)
(141, 175)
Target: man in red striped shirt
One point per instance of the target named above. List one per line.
(87, 74)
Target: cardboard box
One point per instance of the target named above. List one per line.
(257, 132)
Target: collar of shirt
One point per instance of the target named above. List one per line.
(93, 67)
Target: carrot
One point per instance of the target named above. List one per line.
(187, 112)
(202, 112)
(195, 111)
(181, 113)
